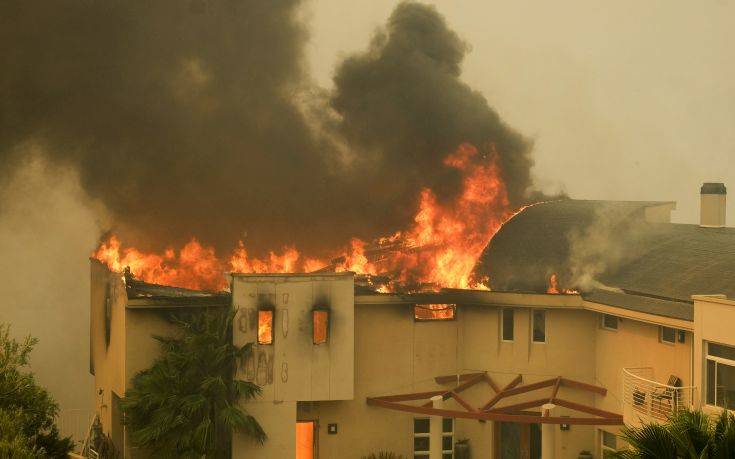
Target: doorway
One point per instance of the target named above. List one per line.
(517, 441)
(306, 440)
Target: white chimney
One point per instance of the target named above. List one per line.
(712, 205)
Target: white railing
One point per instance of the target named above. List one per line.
(645, 400)
(75, 423)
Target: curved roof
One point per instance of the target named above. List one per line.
(610, 245)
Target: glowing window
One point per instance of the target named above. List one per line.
(320, 324)
(265, 326)
(425, 312)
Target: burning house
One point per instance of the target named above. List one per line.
(591, 315)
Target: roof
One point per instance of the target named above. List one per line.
(609, 244)
(646, 304)
(162, 295)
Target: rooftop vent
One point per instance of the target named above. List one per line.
(712, 205)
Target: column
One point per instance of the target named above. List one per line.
(547, 433)
(435, 429)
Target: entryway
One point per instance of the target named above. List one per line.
(306, 440)
(517, 441)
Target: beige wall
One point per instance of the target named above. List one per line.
(714, 317)
(637, 344)
(394, 355)
(293, 368)
(108, 360)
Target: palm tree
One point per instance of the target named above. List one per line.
(185, 405)
(689, 434)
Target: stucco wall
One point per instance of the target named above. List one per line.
(394, 355)
(713, 318)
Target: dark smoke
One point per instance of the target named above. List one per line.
(186, 118)
(404, 103)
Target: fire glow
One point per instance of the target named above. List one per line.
(439, 249)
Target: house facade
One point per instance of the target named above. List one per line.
(524, 369)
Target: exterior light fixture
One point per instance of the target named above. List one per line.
(320, 325)
(265, 325)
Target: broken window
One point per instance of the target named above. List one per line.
(265, 326)
(423, 312)
(320, 324)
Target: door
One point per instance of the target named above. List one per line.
(306, 440)
(517, 441)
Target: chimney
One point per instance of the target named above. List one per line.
(712, 205)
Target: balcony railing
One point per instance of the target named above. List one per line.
(645, 400)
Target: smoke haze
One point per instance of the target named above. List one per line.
(197, 118)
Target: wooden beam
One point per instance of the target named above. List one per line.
(462, 387)
(519, 406)
(462, 402)
(584, 386)
(530, 387)
(495, 416)
(453, 378)
(492, 383)
(555, 390)
(586, 409)
(517, 380)
(412, 396)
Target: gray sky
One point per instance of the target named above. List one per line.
(625, 100)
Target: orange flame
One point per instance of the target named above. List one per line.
(440, 249)
(554, 287)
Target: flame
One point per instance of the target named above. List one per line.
(265, 326)
(439, 249)
(553, 287)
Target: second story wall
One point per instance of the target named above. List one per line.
(293, 367)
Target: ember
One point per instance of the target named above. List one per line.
(440, 249)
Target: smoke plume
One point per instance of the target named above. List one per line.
(197, 118)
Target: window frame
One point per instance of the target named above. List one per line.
(425, 453)
(605, 448)
(272, 310)
(533, 326)
(717, 362)
(449, 306)
(512, 326)
(604, 325)
(314, 311)
(661, 334)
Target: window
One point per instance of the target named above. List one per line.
(539, 326)
(320, 325)
(426, 312)
(421, 438)
(507, 324)
(608, 443)
(609, 322)
(720, 380)
(265, 326)
(667, 335)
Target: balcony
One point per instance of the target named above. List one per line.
(647, 401)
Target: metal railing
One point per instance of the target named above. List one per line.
(645, 400)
